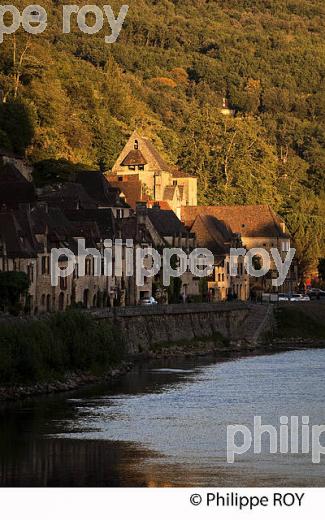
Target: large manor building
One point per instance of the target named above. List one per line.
(142, 174)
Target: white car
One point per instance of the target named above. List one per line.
(299, 298)
(283, 297)
(148, 301)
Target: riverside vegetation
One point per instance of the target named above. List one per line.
(45, 350)
(71, 101)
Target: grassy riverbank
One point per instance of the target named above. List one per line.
(306, 321)
(46, 350)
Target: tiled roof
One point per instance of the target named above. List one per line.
(14, 188)
(134, 158)
(179, 174)
(100, 190)
(248, 221)
(131, 189)
(17, 234)
(103, 218)
(166, 223)
(163, 204)
(147, 150)
(212, 234)
(68, 196)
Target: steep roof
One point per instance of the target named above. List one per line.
(131, 189)
(179, 174)
(248, 221)
(213, 234)
(14, 188)
(17, 234)
(99, 189)
(69, 196)
(134, 158)
(163, 204)
(166, 223)
(103, 218)
(148, 151)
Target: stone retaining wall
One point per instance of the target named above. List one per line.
(146, 328)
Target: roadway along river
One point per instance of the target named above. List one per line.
(165, 424)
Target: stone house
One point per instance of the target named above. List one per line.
(141, 164)
(167, 231)
(214, 235)
(258, 226)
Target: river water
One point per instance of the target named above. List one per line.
(165, 424)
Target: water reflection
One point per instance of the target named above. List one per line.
(164, 424)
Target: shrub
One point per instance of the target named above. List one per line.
(43, 350)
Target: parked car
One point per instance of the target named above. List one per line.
(148, 301)
(316, 294)
(283, 297)
(299, 298)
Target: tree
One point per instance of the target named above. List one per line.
(13, 285)
(321, 269)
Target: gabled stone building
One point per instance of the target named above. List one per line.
(258, 226)
(218, 238)
(140, 166)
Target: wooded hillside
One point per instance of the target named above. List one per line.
(74, 97)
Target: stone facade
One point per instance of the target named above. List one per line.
(143, 175)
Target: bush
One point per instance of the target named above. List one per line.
(43, 350)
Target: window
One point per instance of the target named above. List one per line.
(45, 264)
(132, 168)
(136, 144)
(88, 267)
(63, 283)
(120, 179)
(141, 167)
(174, 183)
(30, 273)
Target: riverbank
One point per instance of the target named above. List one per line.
(71, 381)
(57, 353)
(66, 351)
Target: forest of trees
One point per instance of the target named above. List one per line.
(76, 98)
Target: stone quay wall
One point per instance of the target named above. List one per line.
(146, 328)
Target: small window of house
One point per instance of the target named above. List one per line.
(141, 167)
(120, 179)
(136, 144)
(132, 168)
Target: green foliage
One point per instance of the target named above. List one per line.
(167, 74)
(51, 171)
(296, 322)
(13, 285)
(321, 269)
(17, 126)
(45, 350)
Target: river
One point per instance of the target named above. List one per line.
(165, 424)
